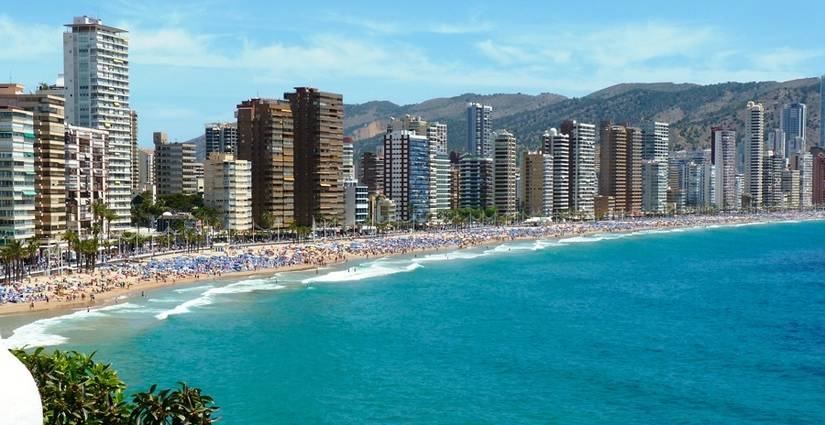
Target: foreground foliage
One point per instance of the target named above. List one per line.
(77, 390)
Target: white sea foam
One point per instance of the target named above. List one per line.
(593, 238)
(193, 289)
(451, 255)
(366, 271)
(208, 296)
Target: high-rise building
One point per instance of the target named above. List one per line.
(754, 141)
(613, 163)
(347, 164)
(407, 174)
(86, 167)
(818, 175)
(475, 182)
(557, 144)
(504, 173)
(479, 129)
(582, 168)
(804, 164)
(146, 171)
(656, 141)
(723, 157)
(96, 75)
(654, 186)
(174, 166)
(17, 137)
(368, 172)
(793, 119)
(228, 189)
(49, 158)
(221, 137)
(821, 111)
(632, 204)
(356, 203)
(133, 136)
(318, 119)
(772, 167)
(455, 179)
(536, 184)
(776, 142)
(265, 139)
(790, 189)
(439, 168)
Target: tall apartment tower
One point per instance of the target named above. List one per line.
(723, 158)
(318, 119)
(654, 186)
(407, 174)
(582, 168)
(228, 189)
(475, 182)
(821, 111)
(347, 163)
(804, 164)
(613, 163)
(776, 142)
(793, 119)
(479, 129)
(818, 175)
(455, 179)
(754, 145)
(439, 168)
(49, 157)
(368, 172)
(96, 76)
(174, 165)
(146, 171)
(133, 119)
(221, 137)
(17, 212)
(633, 176)
(504, 173)
(86, 169)
(557, 144)
(656, 148)
(772, 167)
(265, 139)
(536, 184)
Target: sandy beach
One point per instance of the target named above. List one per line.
(113, 283)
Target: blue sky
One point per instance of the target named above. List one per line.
(193, 61)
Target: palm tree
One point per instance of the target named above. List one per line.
(12, 253)
(30, 252)
(71, 237)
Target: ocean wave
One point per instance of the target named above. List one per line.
(366, 271)
(450, 255)
(593, 238)
(193, 289)
(208, 296)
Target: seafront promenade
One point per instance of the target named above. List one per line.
(108, 282)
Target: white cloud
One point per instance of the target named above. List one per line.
(28, 42)
(470, 26)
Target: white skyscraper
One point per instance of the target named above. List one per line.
(96, 74)
(557, 144)
(479, 129)
(656, 137)
(723, 157)
(439, 168)
(582, 166)
(754, 145)
(348, 167)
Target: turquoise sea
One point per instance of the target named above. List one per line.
(713, 326)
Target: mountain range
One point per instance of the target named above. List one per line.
(691, 109)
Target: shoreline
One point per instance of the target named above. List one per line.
(134, 285)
